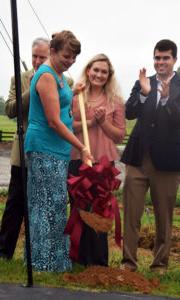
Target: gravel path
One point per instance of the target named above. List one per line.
(5, 150)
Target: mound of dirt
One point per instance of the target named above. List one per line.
(108, 277)
(147, 235)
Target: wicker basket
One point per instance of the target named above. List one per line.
(95, 221)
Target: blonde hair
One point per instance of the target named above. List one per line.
(111, 87)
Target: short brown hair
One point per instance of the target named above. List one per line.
(166, 45)
(65, 38)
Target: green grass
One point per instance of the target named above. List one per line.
(148, 201)
(3, 191)
(7, 124)
(176, 220)
(1, 209)
(129, 125)
(14, 271)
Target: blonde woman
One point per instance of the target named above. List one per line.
(106, 127)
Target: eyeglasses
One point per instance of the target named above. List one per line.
(164, 58)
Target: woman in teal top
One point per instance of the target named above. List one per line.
(40, 137)
(48, 144)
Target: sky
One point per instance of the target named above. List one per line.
(125, 30)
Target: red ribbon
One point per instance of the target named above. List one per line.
(92, 190)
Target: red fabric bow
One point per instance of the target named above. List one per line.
(92, 191)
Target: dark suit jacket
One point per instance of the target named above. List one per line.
(157, 130)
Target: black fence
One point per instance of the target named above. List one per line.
(125, 140)
(6, 136)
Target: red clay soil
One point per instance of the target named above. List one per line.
(147, 235)
(108, 277)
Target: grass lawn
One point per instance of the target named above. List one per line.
(10, 125)
(129, 125)
(7, 124)
(15, 271)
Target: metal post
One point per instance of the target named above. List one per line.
(20, 133)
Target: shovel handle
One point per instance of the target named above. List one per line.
(84, 125)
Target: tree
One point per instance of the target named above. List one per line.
(2, 106)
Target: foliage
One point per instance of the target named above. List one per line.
(3, 191)
(178, 70)
(2, 106)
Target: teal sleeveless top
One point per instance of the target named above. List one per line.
(39, 136)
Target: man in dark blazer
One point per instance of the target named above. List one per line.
(152, 155)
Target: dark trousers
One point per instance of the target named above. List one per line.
(13, 214)
(93, 249)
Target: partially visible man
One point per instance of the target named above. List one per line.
(14, 209)
(152, 155)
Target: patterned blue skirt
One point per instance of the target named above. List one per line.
(47, 206)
